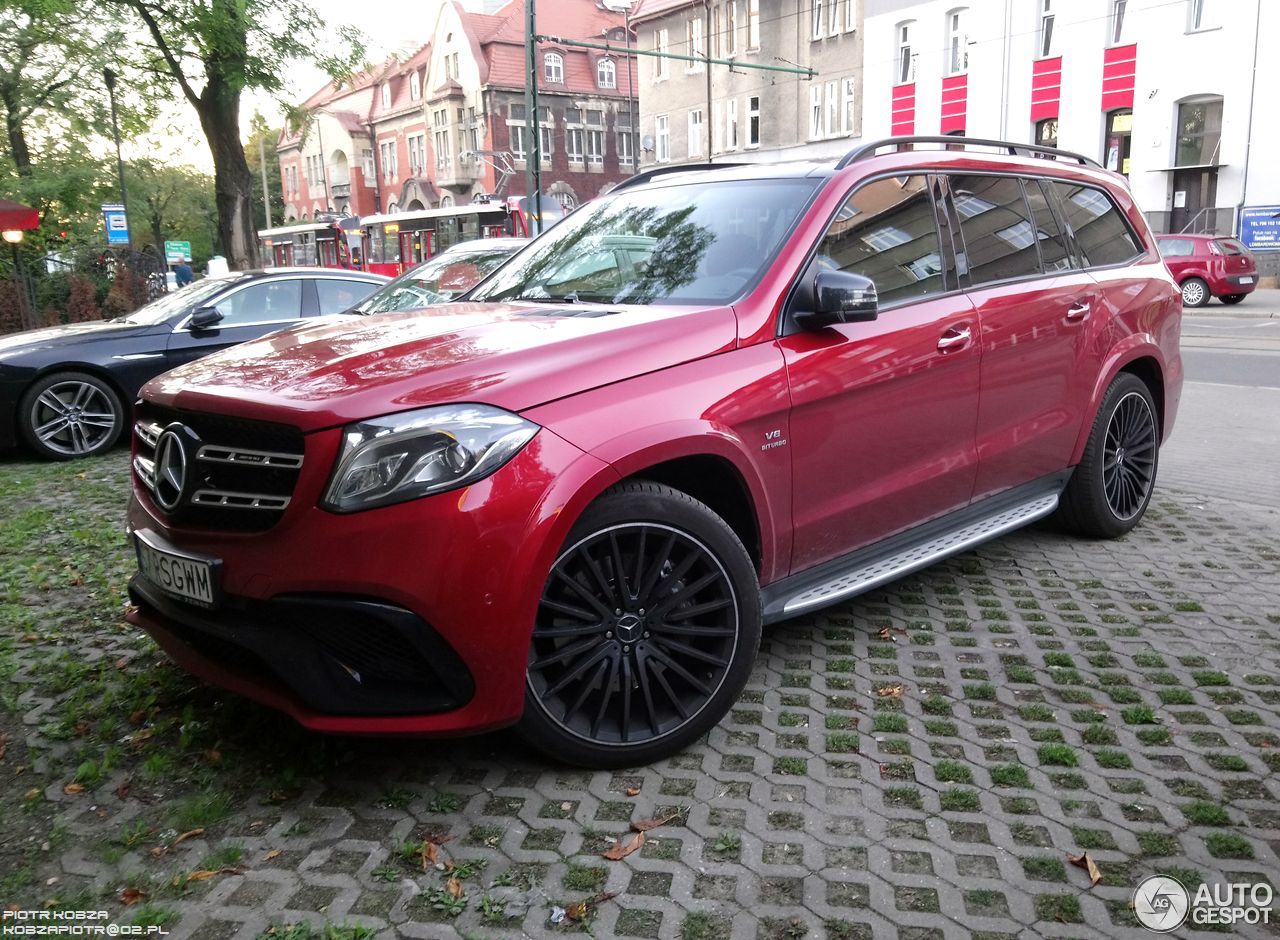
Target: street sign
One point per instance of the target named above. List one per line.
(177, 252)
(117, 225)
(1260, 228)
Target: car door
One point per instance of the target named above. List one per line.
(248, 312)
(1035, 306)
(883, 412)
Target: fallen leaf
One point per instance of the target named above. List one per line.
(122, 791)
(454, 887)
(4, 745)
(215, 756)
(71, 789)
(32, 794)
(582, 909)
(274, 853)
(1084, 861)
(621, 850)
(159, 851)
(122, 664)
(439, 838)
(890, 691)
(190, 834)
(130, 896)
(644, 825)
(886, 633)
(136, 718)
(200, 874)
(631, 791)
(429, 854)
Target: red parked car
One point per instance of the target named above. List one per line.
(1209, 266)
(715, 398)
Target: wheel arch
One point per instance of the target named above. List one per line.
(1140, 356)
(88, 368)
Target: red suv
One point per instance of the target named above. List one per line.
(715, 398)
(1208, 266)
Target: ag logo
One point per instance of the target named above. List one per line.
(1161, 903)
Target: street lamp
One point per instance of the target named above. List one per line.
(109, 78)
(13, 237)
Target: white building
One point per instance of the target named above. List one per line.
(1161, 91)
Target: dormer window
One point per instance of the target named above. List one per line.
(606, 74)
(553, 68)
(386, 95)
(415, 85)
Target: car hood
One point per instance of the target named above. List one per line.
(72, 334)
(513, 356)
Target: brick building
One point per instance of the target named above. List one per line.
(448, 123)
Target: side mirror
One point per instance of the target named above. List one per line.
(839, 297)
(205, 318)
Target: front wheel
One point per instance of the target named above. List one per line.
(1232, 298)
(646, 632)
(1195, 292)
(1109, 491)
(70, 415)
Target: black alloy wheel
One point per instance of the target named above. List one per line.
(645, 633)
(1129, 456)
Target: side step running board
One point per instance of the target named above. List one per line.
(871, 568)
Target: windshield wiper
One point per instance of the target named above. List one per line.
(570, 298)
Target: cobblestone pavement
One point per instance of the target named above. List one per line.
(918, 763)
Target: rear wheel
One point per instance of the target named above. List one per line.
(647, 629)
(1195, 292)
(1232, 298)
(1109, 491)
(69, 415)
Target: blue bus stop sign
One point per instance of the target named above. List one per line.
(117, 225)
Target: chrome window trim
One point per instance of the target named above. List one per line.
(182, 324)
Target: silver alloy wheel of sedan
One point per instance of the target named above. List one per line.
(74, 418)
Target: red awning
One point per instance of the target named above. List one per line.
(14, 215)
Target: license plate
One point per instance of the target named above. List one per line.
(192, 578)
(1245, 280)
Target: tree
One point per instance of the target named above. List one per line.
(260, 148)
(170, 202)
(213, 50)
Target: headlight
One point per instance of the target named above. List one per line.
(417, 453)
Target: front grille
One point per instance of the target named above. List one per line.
(243, 472)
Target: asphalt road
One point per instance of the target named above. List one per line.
(1237, 345)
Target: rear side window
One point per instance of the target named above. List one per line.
(1176, 247)
(886, 231)
(1053, 243)
(1103, 236)
(999, 236)
(338, 295)
(1229, 246)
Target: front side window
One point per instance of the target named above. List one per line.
(1046, 28)
(1101, 233)
(696, 243)
(266, 302)
(886, 231)
(957, 42)
(553, 68)
(1000, 239)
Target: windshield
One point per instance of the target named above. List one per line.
(438, 280)
(176, 301)
(681, 244)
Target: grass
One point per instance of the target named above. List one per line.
(201, 810)
(790, 766)
(1044, 868)
(585, 878)
(889, 724)
(1057, 755)
(1138, 715)
(1062, 908)
(1202, 813)
(1228, 845)
(1113, 759)
(1010, 775)
(950, 771)
(960, 800)
(1036, 711)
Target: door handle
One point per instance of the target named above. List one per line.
(1079, 310)
(954, 339)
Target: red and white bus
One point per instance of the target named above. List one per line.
(309, 245)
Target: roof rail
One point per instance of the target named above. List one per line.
(654, 172)
(869, 150)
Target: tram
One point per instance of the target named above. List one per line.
(309, 245)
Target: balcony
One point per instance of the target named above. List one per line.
(460, 173)
(341, 190)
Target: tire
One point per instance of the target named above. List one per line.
(1106, 496)
(1195, 292)
(69, 415)
(1231, 298)
(624, 670)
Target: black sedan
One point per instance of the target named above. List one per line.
(67, 390)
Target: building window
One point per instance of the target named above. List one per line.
(693, 36)
(444, 158)
(568, 202)
(573, 135)
(417, 153)
(1199, 132)
(1046, 28)
(817, 19)
(607, 73)
(695, 132)
(815, 112)
(753, 121)
(906, 60)
(626, 140)
(516, 128)
(849, 106)
(1117, 21)
(957, 42)
(717, 129)
(662, 138)
(731, 124)
(415, 85)
(1119, 140)
(660, 44)
(595, 138)
(833, 17)
(717, 32)
(831, 125)
(1047, 132)
(451, 69)
(731, 27)
(553, 68)
(1200, 14)
(387, 151)
(850, 15)
(753, 25)
(386, 95)
(366, 163)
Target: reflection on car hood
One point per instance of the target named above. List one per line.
(514, 356)
(55, 336)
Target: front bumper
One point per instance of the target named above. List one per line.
(431, 602)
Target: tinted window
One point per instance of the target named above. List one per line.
(337, 295)
(1176, 247)
(886, 231)
(1053, 244)
(1230, 246)
(1101, 232)
(439, 280)
(261, 303)
(999, 237)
